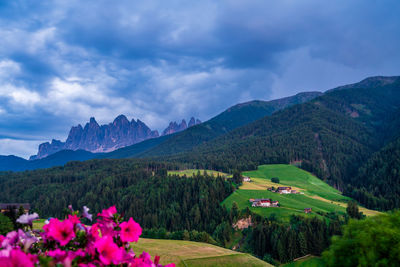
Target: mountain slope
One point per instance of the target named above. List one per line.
(377, 184)
(332, 135)
(228, 120)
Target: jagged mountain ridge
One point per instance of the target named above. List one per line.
(174, 127)
(109, 137)
(100, 138)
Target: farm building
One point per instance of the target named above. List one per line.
(5, 207)
(263, 202)
(246, 179)
(284, 190)
(307, 210)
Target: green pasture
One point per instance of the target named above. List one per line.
(38, 224)
(289, 203)
(187, 253)
(311, 261)
(290, 175)
(315, 193)
(192, 172)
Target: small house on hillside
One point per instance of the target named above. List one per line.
(263, 202)
(307, 210)
(246, 179)
(284, 190)
(5, 207)
(275, 203)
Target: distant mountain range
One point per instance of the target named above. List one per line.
(106, 138)
(175, 138)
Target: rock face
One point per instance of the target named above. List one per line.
(174, 127)
(96, 138)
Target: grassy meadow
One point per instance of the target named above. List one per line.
(187, 253)
(38, 224)
(191, 172)
(316, 194)
(311, 261)
(290, 175)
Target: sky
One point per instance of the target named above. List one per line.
(62, 62)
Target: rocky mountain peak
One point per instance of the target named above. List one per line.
(174, 127)
(121, 120)
(96, 138)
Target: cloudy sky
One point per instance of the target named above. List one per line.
(62, 62)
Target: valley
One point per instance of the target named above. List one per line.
(294, 172)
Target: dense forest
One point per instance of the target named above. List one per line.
(377, 184)
(142, 191)
(270, 239)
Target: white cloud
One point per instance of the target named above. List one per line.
(19, 96)
(21, 148)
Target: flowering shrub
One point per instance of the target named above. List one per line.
(71, 243)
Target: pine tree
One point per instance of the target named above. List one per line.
(353, 211)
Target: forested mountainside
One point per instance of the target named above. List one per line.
(232, 118)
(332, 135)
(377, 184)
(326, 142)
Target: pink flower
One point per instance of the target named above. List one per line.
(63, 232)
(108, 213)
(130, 231)
(95, 231)
(108, 250)
(18, 258)
(74, 219)
(2, 237)
(106, 221)
(86, 265)
(65, 257)
(11, 239)
(57, 254)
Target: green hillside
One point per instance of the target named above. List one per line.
(191, 254)
(307, 262)
(290, 175)
(318, 195)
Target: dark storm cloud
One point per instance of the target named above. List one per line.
(62, 62)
